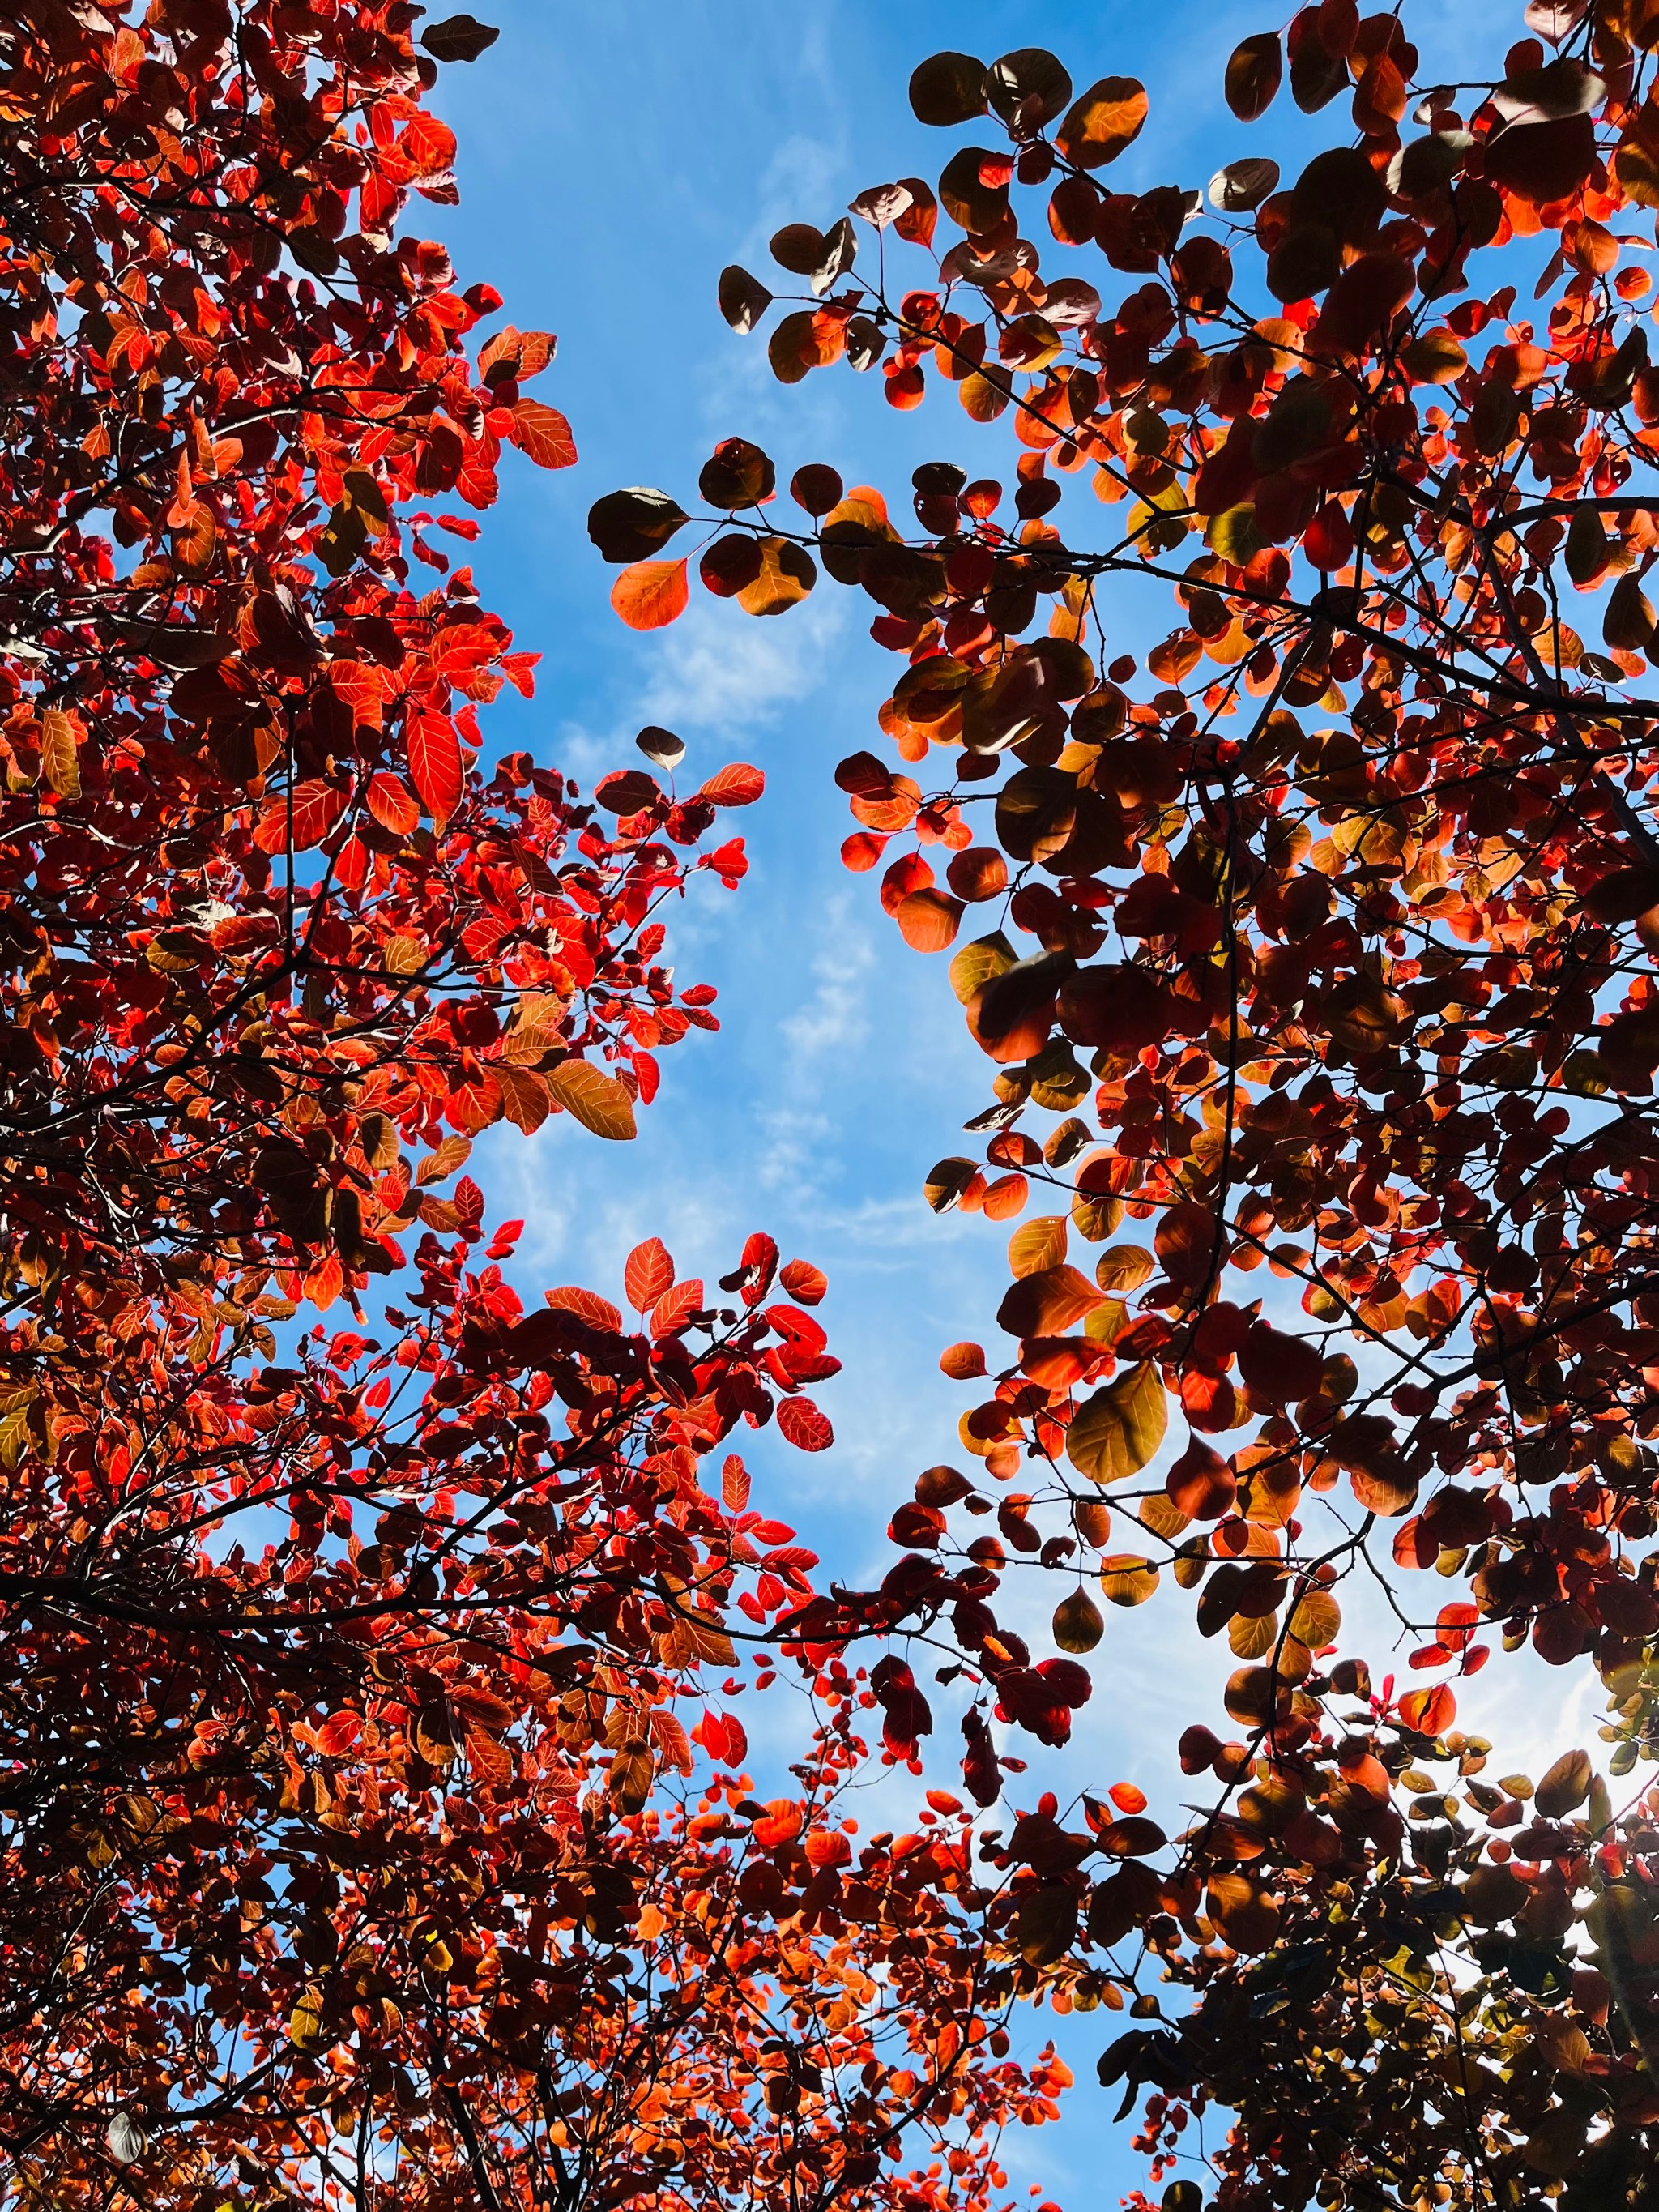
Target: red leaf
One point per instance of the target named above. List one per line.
(588, 1306)
(1432, 1712)
(861, 851)
(722, 1736)
(1200, 1484)
(677, 1305)
(315, 808)
(428, 145)
(393, 803)
(543, 432)
(803, 1281)
(647, 1275)
(758, 1266)
(651, 594)
(803, 1424)
(435, 763)
(739, 785)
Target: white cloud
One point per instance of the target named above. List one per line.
(721, 670)
(835, 1017)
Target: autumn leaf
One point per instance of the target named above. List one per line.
(737, 785)
(61, 734)
(435, 764)
(651, 594)
(1254, 75)
(544, 433)
(803, 1426)
(597, 1100)
(458, 38)
(1118, 1430)
(648, 1274)
(1105, 120)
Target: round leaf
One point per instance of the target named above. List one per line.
(1103, 122)
(947, 88)
(1078, 1623)
(1128, 1580)
(1117, 1431)
(627, 526)
(1254, 73)
(651, 594)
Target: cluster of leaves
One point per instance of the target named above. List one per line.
(371, 1832)
(1328, 942)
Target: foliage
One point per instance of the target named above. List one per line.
(1327, 941)
(371, 1831)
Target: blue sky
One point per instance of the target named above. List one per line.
(614, 155)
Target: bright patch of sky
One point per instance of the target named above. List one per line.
(614, 155)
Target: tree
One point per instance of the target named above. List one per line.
(371, 1832)
(1328, 939)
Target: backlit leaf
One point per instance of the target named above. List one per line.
(1038, 1245)
(597, 1100)
(648, 1274)
(651, 594)
(1117, 1431)
(1564, 1786)
(803, 1426)
(435, 764)
(1103, 121)
(544, 433)
(1128, 1580)
(60, 733)
(1078, 1625)
(736, 785)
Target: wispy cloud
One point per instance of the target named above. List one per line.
(835, 1017)
(719, 671)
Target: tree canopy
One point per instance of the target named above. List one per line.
(1323, 934)
(378, 1817)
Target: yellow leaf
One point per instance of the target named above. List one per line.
(1317, 1619)
(1038, 1244)
(1127, 1579)
(305, 2025)
(1117, 1431)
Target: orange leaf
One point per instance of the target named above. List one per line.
(651, 594)
(61, 733)
(524, 1096)
(927, 919)
(543, 432)
(648, 1274)
(803, 1281)
(1048, 1303)
(597, 1101)
(1006, 1198)
(1432, 1712)
(737, 785)
(435, 763)
(676, 1306)
(393, 803)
